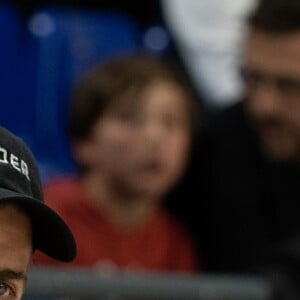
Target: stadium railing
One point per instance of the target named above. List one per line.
(87, 284)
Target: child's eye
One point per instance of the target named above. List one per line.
(126, 116)
(171, 121)
(130, 117)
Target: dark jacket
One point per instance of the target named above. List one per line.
(243, 208)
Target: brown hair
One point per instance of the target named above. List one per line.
(102, 86)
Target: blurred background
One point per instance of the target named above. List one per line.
(47, 45)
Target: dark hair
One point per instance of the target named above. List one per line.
(276, 16)
(104, 85)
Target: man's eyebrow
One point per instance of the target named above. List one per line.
(10, 274)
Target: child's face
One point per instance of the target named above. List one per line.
(142, 145)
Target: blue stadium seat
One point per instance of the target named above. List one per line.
(9, 38)
(65, 43)
(17, 105)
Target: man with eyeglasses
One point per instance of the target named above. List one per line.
(247, 168)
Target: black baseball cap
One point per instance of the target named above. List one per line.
(20, 185)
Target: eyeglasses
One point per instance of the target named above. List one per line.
(286, 86)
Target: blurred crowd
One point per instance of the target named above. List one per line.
(168, 137)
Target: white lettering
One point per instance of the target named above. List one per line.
(20, 165)
(3, 155)
(14, 160)
(24, 169)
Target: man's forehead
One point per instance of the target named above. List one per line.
(278, 52)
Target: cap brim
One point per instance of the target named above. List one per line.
(51, 234)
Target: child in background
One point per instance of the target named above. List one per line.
(131, 124)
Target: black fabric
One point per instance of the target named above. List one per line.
(243, 208)
(20, 185)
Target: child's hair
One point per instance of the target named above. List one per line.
(105, 84)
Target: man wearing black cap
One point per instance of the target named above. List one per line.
(26, 223)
